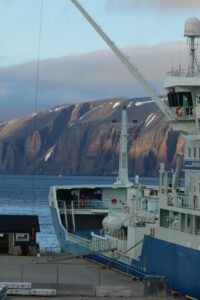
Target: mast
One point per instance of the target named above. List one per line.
(122, 178)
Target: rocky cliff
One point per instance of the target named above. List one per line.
(81, 140)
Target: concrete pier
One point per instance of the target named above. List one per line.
(71, 278)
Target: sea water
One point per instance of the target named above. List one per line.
(28, 195)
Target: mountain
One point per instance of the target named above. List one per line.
(80, 139)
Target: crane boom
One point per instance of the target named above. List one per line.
(127, 63)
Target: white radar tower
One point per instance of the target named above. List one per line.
(183, 86)
(192, 32)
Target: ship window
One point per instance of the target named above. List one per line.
(195, 152)
(199, 152)
(188, 221)
(180, 99)
(91, 194)
(172, 99)
(185, 99)
(74, 195)
(164, 218)
(189, 152)
(197, 221)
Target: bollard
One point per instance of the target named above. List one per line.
(156, 286)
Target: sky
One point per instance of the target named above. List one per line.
(75, 64)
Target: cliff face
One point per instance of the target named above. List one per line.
(81, 140)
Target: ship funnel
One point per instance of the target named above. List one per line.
(192, 32)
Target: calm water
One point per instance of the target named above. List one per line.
(29, 195)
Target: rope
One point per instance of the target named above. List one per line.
(126, 251)
(36, 102)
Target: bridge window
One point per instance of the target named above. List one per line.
(183, 99)
(172, 99)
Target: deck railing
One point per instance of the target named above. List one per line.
(91, 204)
(185, 201)
(182, 73)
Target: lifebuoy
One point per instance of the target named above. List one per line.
(114, 201)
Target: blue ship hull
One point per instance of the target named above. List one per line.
(180, 265)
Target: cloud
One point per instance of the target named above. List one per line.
(154, 4)
(83, 77)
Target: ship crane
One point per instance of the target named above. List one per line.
(128, 64)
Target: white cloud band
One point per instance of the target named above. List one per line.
(77, 78)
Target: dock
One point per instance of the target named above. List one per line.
(74, 277)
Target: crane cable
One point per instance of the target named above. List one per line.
(36, 105)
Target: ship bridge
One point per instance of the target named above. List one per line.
(183, 86)
(183, 99)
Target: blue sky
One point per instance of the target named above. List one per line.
(66, 35)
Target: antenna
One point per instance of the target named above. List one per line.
(192, 32)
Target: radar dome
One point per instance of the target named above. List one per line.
(192, 27)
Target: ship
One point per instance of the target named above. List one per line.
(80, 209)
(153, 232)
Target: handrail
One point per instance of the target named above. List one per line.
(185, 201)
(91, 204)
(182, 73)
(121, 254)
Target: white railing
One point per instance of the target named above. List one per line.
(185, 201)
(182, 73)
(91, 204)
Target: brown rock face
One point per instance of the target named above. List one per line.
(81, 140)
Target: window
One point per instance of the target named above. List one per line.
(183, 99)
(189, 152)
(172, 99)
(195, 152)
(188, 221)
(22, 237)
